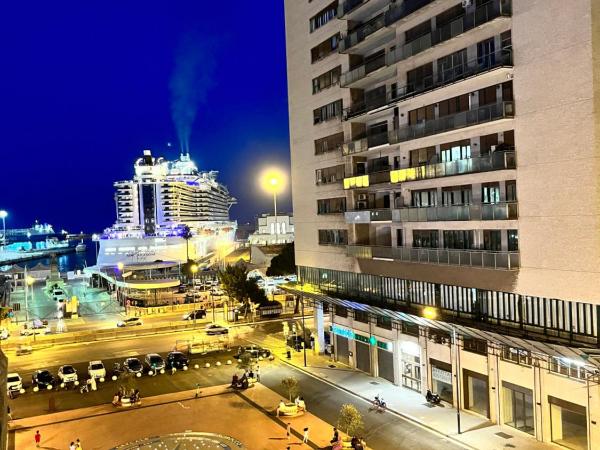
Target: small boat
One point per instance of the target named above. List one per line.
(80, 247)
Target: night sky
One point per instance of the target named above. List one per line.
(86, 86)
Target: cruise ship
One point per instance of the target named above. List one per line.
(155, 208)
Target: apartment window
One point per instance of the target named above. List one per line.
(333, 237)
(327, 112)
(475, 345)
(449, 15)
(458, 239)
(507, 91)
(490, 193)
(487, 96)
(379, 164)
(329, 175)
(420, 115)
(331, 205)
(513, 240)
(325, 48)
(492, 240)
(361, 316)
(422, 156)
(375, 97)
(456, 150)
(516, 355)
(509, 139)
(420, 78)
(567, 367)
(425, 238)
(439, 336)
(418, 31)
(452, 66)
(324, 16)
(424, 198)
(486, 55)
(329, 143)
(487, 143)
(456, 195)
(454, 105)
(326, 80)
(511, 190)
(399, 237)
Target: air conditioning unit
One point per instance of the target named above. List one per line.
(362, 197)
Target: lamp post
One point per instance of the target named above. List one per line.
(194, 270)
(273, 182)
(95, 238)
(120, 267)
(3, 215)
(303, 323)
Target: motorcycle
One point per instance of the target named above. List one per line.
(379, 403)
(432, 398)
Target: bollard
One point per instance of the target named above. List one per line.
(102, 380)
(162, 371)
(218, 363)
(228, 362)
(185, 367)
(138, 374)
(207, 365)
(150, 373)
(196, 366)
(288, 354)
(114, 378)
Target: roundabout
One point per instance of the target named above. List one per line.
(185, 441)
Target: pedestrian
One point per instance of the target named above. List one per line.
(78, 445)
(173, 370)
(257, 373)
(38, 438)
(305, 437)
(289, 431)
(198, 390)
(9, 412)
(336, 436)
(72, 446)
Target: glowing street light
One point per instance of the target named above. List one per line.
(120, 266)
(273, 181)
(3, 215)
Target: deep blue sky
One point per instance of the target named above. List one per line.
(84, 88)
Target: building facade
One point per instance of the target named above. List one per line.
(451, 218)
(271, 230)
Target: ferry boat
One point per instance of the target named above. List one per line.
(169, 211)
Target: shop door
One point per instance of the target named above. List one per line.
(518, 407)
(477, 395)
(441, 379)
(363, 357)
(385, 361)
(341, 344)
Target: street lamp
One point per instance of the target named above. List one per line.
(3, 215)
(28, 282)
(120, 267)
(194, 270)
(95, 238)
(273, 181)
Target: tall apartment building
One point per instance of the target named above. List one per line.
(445, 183)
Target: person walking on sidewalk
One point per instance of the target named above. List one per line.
(289, 431)
(198, 390)
(257, 373)
(305, 437)
(38, 438)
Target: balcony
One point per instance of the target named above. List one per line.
(362, 32)
(484, 114)
(495, 211)
(364, 143)
(362, 71)
(451, 75)
(363, 181)
(442, 256)
(368, 216)
(498, 160)
(485, 13)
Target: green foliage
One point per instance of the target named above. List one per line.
(128, 383)
(350, 420)
(245, 361)
(290, 384)
(284, 263)
(186, 233)
(236, 285)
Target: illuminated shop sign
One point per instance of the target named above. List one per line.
(349, 334)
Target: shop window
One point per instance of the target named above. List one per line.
(476, 392)
(441, 379)
(567, 367)
(475, 345)
(439, 336)
(518, 407)
(411, 371)
(568, 424)
(410, 328)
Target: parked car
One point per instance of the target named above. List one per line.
(133, 365)
(67, 374)
(217, 292)
(154, 361)
(254, 351)
(4, 333)
(177, 360)
(96, 369)
(131, 322)
(197, 314)
(214, 329)
(42, 379)
(35, 327)
(14, 382)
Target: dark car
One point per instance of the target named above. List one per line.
(254, 351)
(177, 360)
(42, 379)
(133, 365)
(197, 314)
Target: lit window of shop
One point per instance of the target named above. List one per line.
(411, 366)
(475, 345)
(516, 355)
(476, 391)
(568, 367)
(441, 379)
(518, 407)
(568, 424)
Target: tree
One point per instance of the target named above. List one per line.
(290, 384)
(284, 263)
(245, 361)
(350, 421)
(236, 285)
(186, 233)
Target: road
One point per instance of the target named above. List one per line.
(384, 430)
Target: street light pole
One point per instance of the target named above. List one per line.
(275, 209)
(303, 330)
(457, 358)
(3, 215)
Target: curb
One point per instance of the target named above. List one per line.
(405, 416)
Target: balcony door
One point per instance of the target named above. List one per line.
(486, 56)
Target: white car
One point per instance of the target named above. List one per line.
(35, 328)
(14, 382)
(131, 322)
(96, 369)
(67, 374)
(4, 333)
(213, 328)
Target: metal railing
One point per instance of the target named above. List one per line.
(466, 69)
(363, 70)
(483, 14)
(368, 215)
(361, 33)
(495, 211)
(365, 180)
(487, 113)
(363, 143)
(498, 160)
(407, 7)
(443, 256)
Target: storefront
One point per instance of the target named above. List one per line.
(385, 360)
(341, 349)
(411, 365)
(363, 353)
(477, 394)
(518, 407)
(441, 379)
(568, 423)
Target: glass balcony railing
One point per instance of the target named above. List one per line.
(364, 143)
(361, 181)
(360, 33)
(497, 160)
(368, 215)
(483, 14)
(471, 258)
(347, 6)
(407, 7)
(448, 75)
(363, 70)
(483, 114)
(495, 211)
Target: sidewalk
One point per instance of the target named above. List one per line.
(477, 432)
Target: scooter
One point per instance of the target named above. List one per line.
(432, 398)
(379, 403)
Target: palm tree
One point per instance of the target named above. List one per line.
(186, 233)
